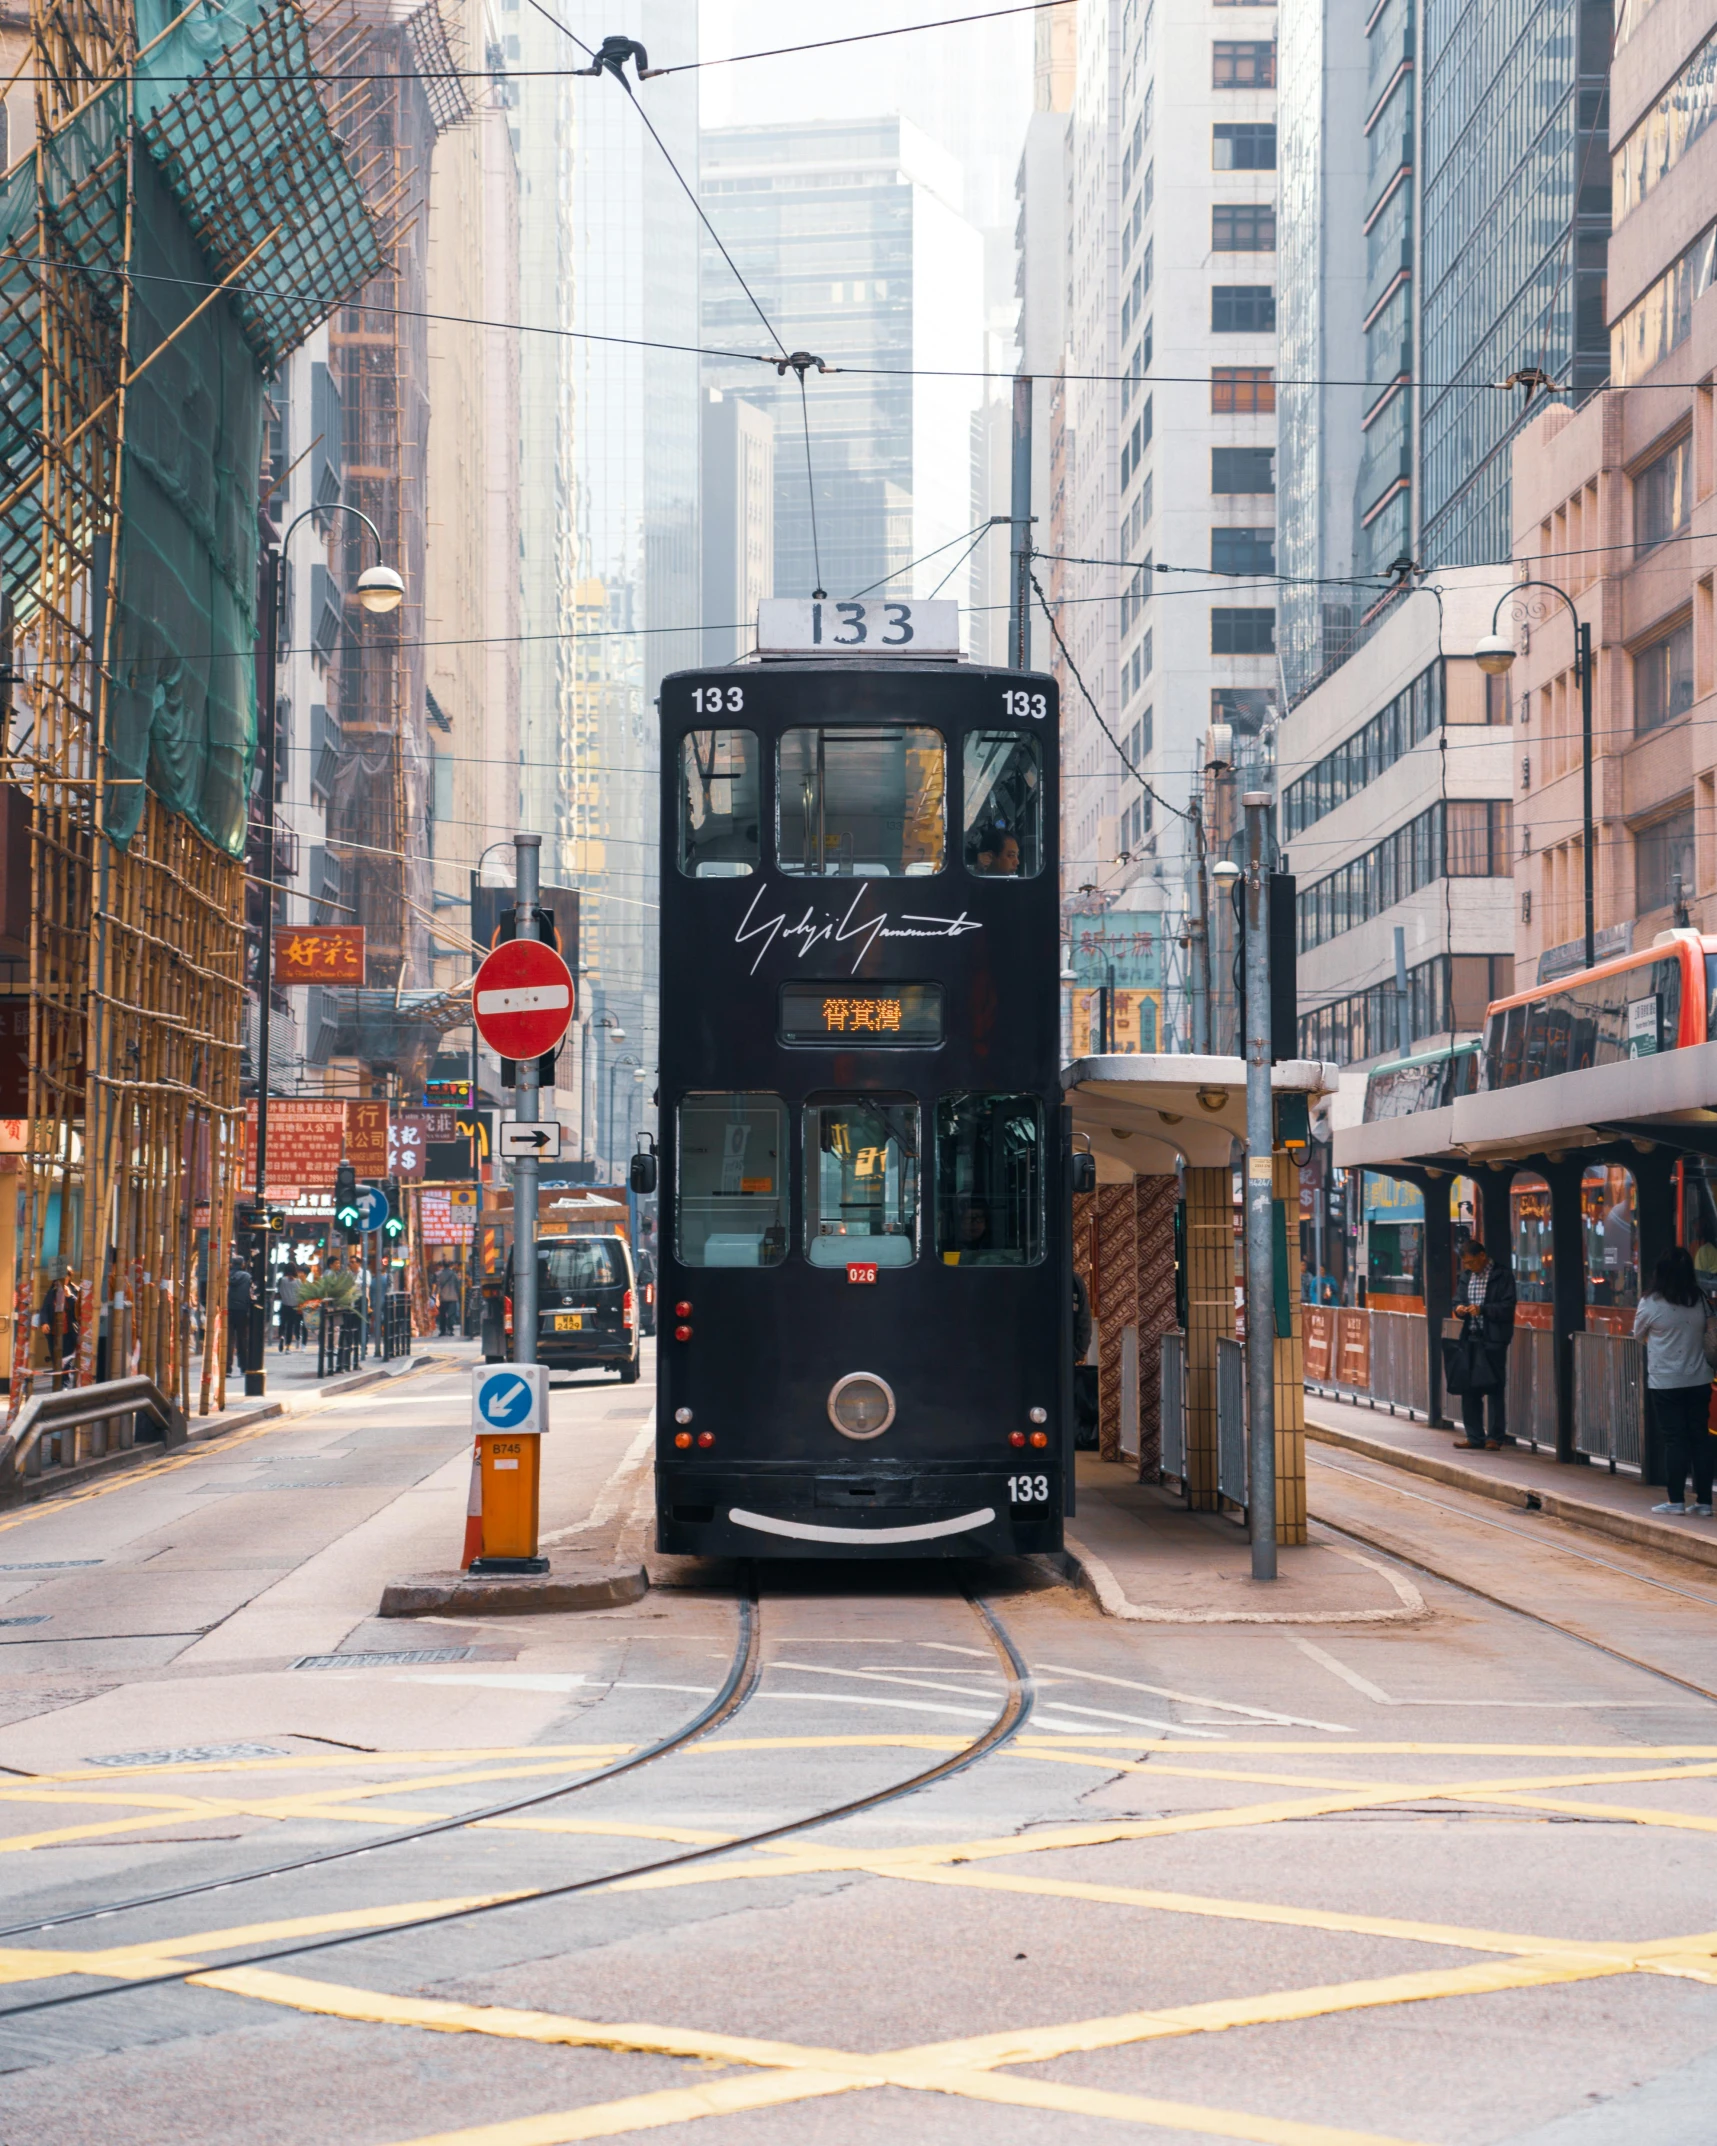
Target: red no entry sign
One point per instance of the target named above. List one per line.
(522, 999)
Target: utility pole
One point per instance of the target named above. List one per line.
(1198, 930)
(1019, 514)
(1260, 1202)
(527, 850)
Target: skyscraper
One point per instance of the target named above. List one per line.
(851, 237)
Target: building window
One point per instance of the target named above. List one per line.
(1242, 388)
(1242, 633)
(1479, 838)
(1243, 63)
(1242, 309)
(1663, 495)
(1242, 708)
(1243, 228)
(1663, 679)
(1413, 714)
(1242, 469)
(1663, 863)
(1474, 846)
(1243, 551)
(1246, 146)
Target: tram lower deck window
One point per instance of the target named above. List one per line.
(862, 804)
(719, 806)
(861, 1182)
(989, 1180)
(731, 1181)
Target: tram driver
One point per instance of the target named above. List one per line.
(998, 851)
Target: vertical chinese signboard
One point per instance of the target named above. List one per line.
(367, 1138)
(408, 1145)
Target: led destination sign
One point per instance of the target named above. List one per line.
(843, 1013)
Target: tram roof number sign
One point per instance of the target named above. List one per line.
(522, 999)
(871, 626)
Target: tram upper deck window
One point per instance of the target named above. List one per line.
(719, 811)
(862, 804)
(731, 1181)
(861, 1182)
(989, 1180)
(1002, 797)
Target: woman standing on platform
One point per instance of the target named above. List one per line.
(1671, 1322)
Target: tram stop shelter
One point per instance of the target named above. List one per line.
(1576, 1378)
(1158, 1247)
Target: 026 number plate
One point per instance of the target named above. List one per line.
(860, 1271)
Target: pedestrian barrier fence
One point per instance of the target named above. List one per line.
(1532, 1386)
(339, 1340)
(1609, 1399)
(1172, 1375)
(396, 1324)
(1379, 1356)
(1231, 1420)
(1400, 1363)
(85, 1423)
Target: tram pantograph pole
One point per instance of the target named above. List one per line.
(526, 850)
(1260, 1207)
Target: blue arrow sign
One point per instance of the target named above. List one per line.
(372, 1208)
(504, 1400)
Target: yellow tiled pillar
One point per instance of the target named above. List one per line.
(1290, 1373)
(1209, 1317)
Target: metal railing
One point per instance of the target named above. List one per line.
(1231, 1420)
(339, 1340)
(1172, 1387)
(84, 1423)
(1400, 1365)
(1609, 1399)
(396, 1324)
(1532, 1386)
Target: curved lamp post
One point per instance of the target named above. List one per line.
(379, 589)
(614, 1066)
(1496, 656)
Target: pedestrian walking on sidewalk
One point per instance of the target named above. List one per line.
(1485, 1307)
(1671, 1322)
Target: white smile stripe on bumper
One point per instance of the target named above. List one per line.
(802, 1531)
(526, 998)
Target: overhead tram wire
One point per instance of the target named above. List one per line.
(611, 60)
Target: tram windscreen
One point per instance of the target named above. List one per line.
(719, 814)
(731, 1181)
(989, 1180)
(1002, 797)
(862, 804)
(861, 1183)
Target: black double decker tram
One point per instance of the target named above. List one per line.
(865, 1298)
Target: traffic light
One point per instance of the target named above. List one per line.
(393, 1229)
(346, 1198)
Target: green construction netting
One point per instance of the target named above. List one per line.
(228, 104)
(182, 704)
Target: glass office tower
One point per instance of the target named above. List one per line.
(1516, 217)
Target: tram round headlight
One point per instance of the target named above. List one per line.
(861, 1405)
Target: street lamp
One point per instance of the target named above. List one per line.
(1496, 657)
(614, 1067)
(379, 590)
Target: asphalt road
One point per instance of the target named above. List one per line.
(1450, 1881)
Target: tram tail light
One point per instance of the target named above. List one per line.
(682, 1333)
(1016, 1438)
(683, 1309)
(1040, 1439)
(628, 1316)
(706, 1439)
(682, 1439)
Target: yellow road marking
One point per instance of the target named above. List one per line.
(650, 2112)
(156, 1956)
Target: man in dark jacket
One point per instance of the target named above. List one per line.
(241, 1301)
(1484, 1304)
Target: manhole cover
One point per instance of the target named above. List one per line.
(189, 1754)
(409, 1655)
(26, 1620)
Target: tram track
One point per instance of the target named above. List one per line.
(740, 1686)
(1392, 1546)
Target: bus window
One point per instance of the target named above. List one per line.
(1000, 787)
(718, 804)
(731, 1181)
(989, 1181)
(861, 1183)
(861, 804)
